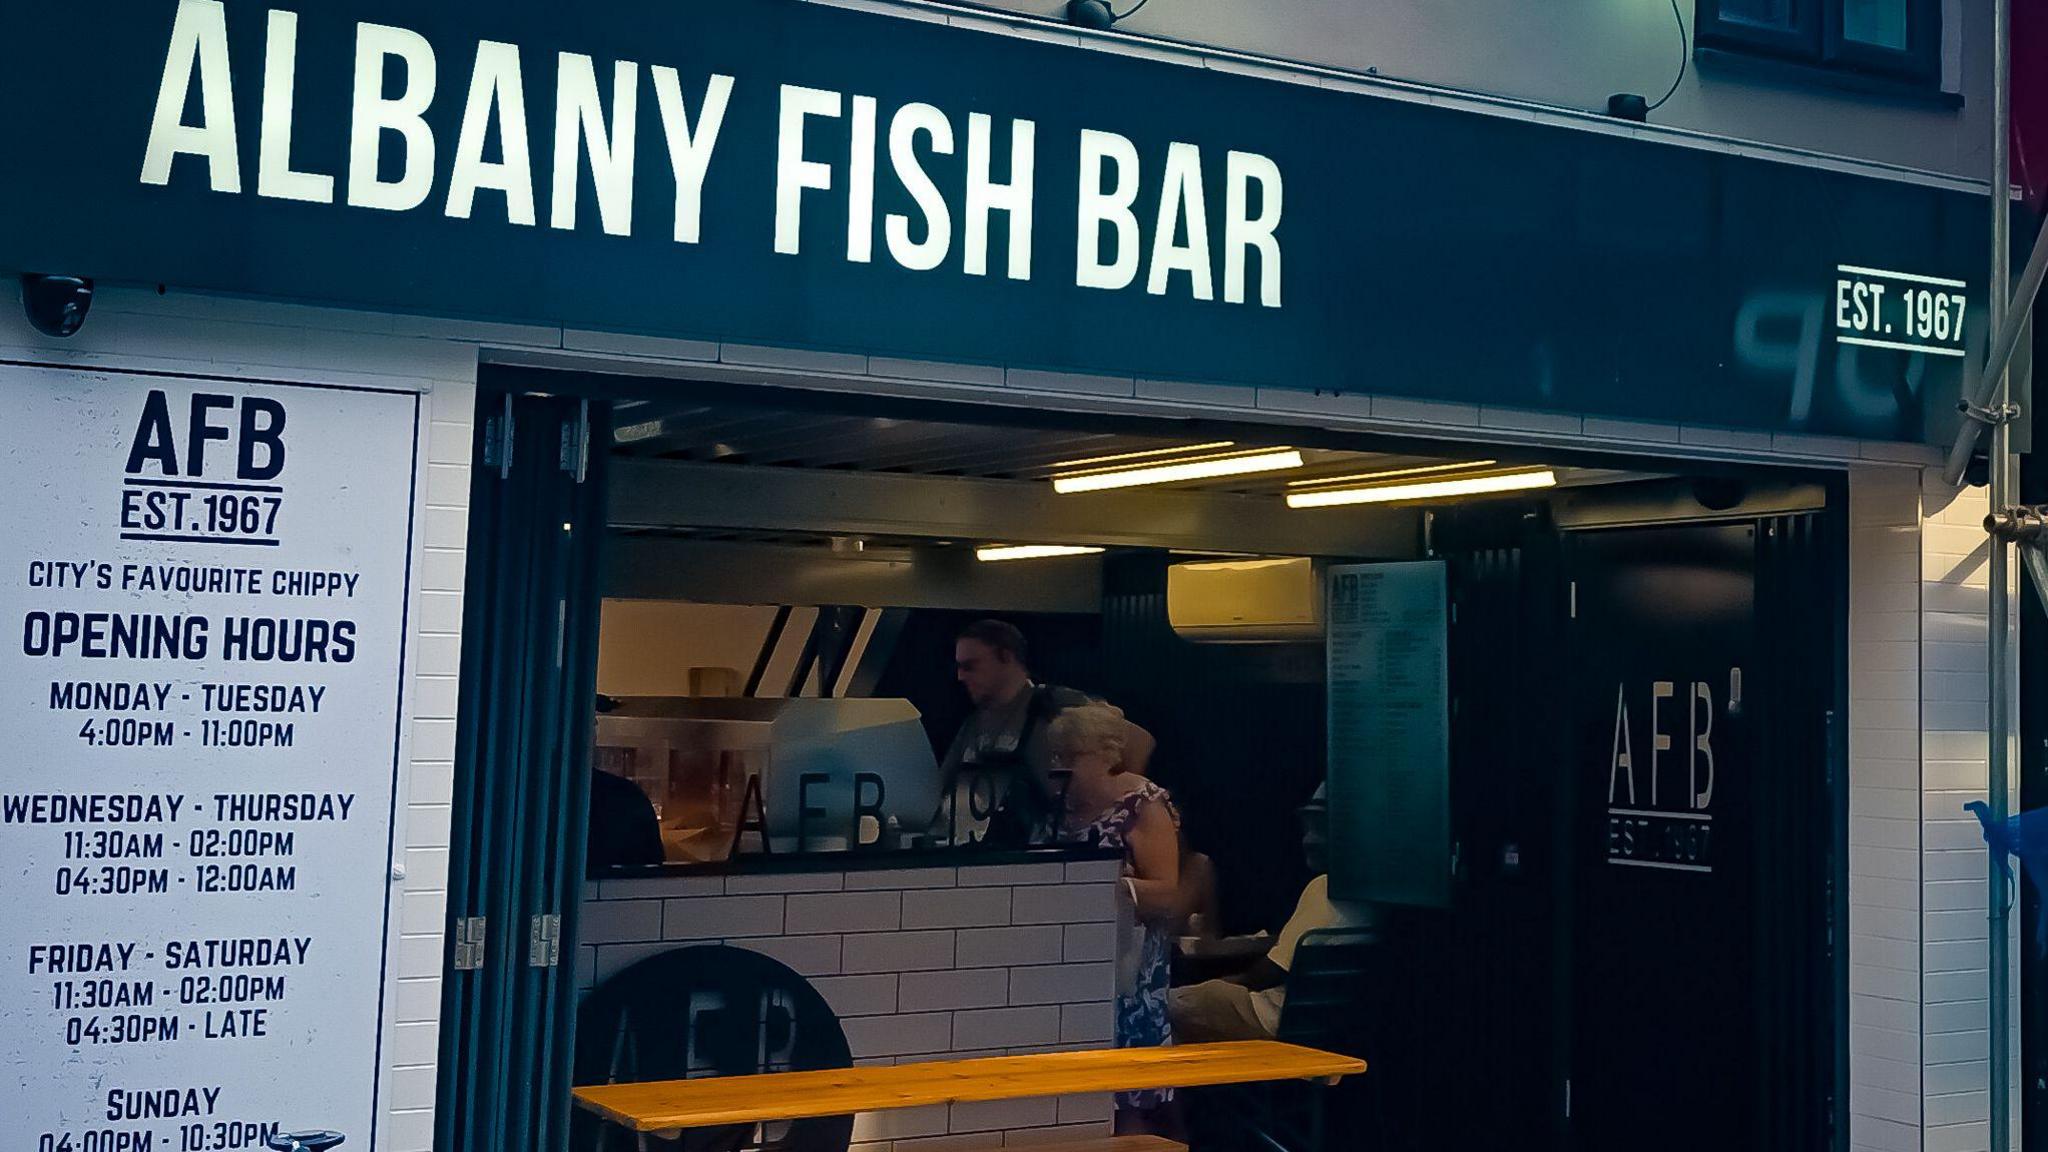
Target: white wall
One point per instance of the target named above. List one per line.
(1955, 698)
(414, 1046)
(648, 647)
(1885, 655)
(1919, 694)
(1575, 54)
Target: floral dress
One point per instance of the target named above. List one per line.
(1144, 960)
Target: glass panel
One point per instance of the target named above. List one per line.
(1757, 13)
(1877, 23)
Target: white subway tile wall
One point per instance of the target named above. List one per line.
(1884, 783)
(965, 907)
(1953, 684)
(919, 964)
(899, 951)
(1002, 947)
(443, 529)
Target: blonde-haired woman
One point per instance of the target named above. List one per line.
(1112, 807)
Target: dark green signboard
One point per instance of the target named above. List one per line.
(1389, 733)
(789, 173)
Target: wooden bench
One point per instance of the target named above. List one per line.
(666, 1106)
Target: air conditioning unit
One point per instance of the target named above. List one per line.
(1265, 601)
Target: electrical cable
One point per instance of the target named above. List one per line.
(1684, 54)
(1115, 16)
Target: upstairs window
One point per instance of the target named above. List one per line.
(1892, 39)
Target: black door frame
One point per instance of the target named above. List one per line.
(1801, 621)
(522, 764)
(593, 391)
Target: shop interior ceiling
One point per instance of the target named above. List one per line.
(833, 500)
(765, 437)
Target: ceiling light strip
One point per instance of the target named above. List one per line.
(1180, 459)
(1269, 461)
(995, 552)
(1148, 454)
(1391, 474)
(1424, 490)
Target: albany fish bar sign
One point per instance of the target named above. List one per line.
(393, 160)
(796, 174)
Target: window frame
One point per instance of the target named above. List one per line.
(1918, 61)
(1798, 39)
(1813, 36)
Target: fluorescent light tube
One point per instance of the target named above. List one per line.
(1147, 454)
(1392, 474)
(1273, 461)
(1425, 490)
(1031, 551)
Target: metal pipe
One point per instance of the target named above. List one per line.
(2004, 670)
(2005, 340)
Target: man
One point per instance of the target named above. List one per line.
(623, 829)
(1247, 1006)
(1000, 753)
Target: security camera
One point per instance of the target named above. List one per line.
(1628, 106)
(56, 305)
(1095, 14)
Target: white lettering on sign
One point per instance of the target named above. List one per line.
(199, 40)
(1107, 206)
(794, 174)
(910, 122)
(391, 162)
(1702, 719)
(579, 117)
(1244, 232)
(1622, 759)
(689, 151)
(1013, 199)
(860, 191)
(374, 115)
(1901, 311)
(496, 101)
(207, 628)
(1651, 835)
(1183, 210)
(1660, 740)
(274, 175)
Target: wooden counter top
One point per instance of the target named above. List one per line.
(666, 1105)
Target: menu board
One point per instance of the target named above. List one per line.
(1389, 734)
(204, 590)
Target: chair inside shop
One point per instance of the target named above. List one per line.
(1332, 1004)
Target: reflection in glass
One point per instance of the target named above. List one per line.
(1877, 23)
(1757, 13)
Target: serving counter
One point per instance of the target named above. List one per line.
(921, 954)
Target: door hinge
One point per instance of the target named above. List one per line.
(561, 630)
(469, 944)
(1828, 904)
(498, 441)
(544, 941)
(575, 456)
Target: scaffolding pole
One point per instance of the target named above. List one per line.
(2005, 340)
(2003, 655)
